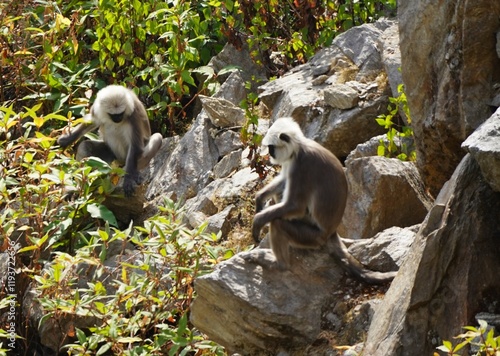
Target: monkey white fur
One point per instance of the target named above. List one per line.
(313, 190)
(125, 132)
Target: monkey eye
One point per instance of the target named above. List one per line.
(271, 149)
(116, 117)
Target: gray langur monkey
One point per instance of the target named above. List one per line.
(125, 132)
(313, 190)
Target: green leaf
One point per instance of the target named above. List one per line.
(443, 348)
(28, 248)
(229, 69)
(99, 211)
(461, 345)
(99, 164)
(186, 76)
(381, 150)
(129, 339)
(82, 338)
(127, 47)
(104, 348)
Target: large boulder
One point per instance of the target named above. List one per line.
(484, 146)
(450, 274)
(383, 192)
(449, 67)
(187, 168)
(252, 308)
(337, 95)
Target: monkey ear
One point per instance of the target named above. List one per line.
(284, 137)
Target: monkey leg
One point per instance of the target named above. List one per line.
(296, 233)
(302, 234)
(96, 149)
(150, 150)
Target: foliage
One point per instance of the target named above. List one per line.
(52, 205)
(295, 30)
(141, 302)
(398, 131)
(36, 182)
(62, 52)
(249, 135)
(482, 337)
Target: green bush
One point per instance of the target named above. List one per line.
(482, 338)
(142, 304)
(51, 209)
(295, 30)
(62, 52)
(397, 129)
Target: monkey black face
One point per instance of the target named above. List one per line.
(272, 152)
(117, 117)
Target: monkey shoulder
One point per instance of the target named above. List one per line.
(316, 164)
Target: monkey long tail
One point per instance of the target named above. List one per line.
(354, 267)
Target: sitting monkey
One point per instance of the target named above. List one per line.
(313, 190)
(125, 132)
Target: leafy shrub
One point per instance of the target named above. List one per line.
(62, 52)
(482, 338)
(51, 207)
(249, 135)
(141, 302)
(398, 133)
(35, 182)
(295, 30)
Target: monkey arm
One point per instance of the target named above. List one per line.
(134, 154)
(150, 149)
(274, 188)
(282, 210)
(80, 130)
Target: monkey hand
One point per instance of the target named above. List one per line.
(64, 140)
(256, 227)
(129, 184)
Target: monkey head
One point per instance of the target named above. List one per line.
(282, 140)
(113, 101)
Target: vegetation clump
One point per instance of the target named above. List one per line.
(54, 58)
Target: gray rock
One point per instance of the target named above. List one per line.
(222, 112)
(217, 223)
(387, 250)
(453, 260)
(484, 146)
(233, 89)
(341, 96)
(491, 319)
(252, 308)
(184, 173)
(342, 130)
(227, 141)
(239, 183)
(498, 44)
(258, 316)
(370, 147)
(221, 222)
(201, 203)
(383, 192)
(448, 64)
(230, 55)
(228, 164)
(391, 57)
(353, 56)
